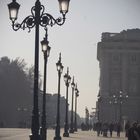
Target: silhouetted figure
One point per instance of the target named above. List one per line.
(131, 130)
(118, 127)
(98, 128)
(138, 130)
(127, 126)
(105, 129)
(83, 127)
(111, 128)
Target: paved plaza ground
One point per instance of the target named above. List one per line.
(23, 134)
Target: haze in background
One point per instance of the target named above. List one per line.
(77, 40)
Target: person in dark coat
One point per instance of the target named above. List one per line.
(105, 129)
(111, 128)
(138, 129)
(137, 132)
(131, 130)
(98, 128)
(118, 127)
(127, 126)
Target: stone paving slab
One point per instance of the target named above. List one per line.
(23, 134)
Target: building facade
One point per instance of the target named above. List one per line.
(119, 86)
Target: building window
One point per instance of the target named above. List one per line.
(133, 84)
(115, 82)
(133, 59)
(116, 59)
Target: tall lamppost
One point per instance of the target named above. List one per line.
(67, 80)
(114, 102)
(46, 51)
(76, 95)
(60, 70)
(36, 19)
(71, 124)
(119, 99)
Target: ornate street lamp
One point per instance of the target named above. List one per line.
(76, 95)
(71, 124)
(119, 99)
(57, 129)
(67, 80)
(36, 19)
(46, 51)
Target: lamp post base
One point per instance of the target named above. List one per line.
(35, 137)
(65, 134)
(57, 138)
(71, 130)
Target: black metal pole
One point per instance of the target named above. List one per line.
(120, 118)
(57, 130)
(43, 121)
(66, 127)
(36, 19)
(98, 113)
(35, 115)
(71, 125)
(75, 121)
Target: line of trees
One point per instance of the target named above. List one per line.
(16, 95)
(16, 83)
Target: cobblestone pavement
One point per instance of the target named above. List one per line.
(23, 134)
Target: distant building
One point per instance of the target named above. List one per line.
(18, 114)
(51, 109)
(119, 87)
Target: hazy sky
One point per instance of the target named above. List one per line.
(77, 40)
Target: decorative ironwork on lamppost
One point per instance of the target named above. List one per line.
(67, 80)
(60, 70)
(71, 124)
(76, 95)
(36, 19)
(46, 51)
(119, 99)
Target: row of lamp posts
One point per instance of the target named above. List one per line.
(73, 125)
(36, 19)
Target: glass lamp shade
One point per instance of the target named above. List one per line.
(64, 6)
(77, 93)
(61, 70)
(120, 95)
(126, 96)
(114, 96)
(13, 10)
(45, 47)
(59, 66)
(65, 78)
(115, 102)
(69, 79)
(72, 84)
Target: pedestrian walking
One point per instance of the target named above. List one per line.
(131, 131)
(137, 132)
(105, 129)
(127, 126)
(111, 128)
(98, 128)
(118, 129)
